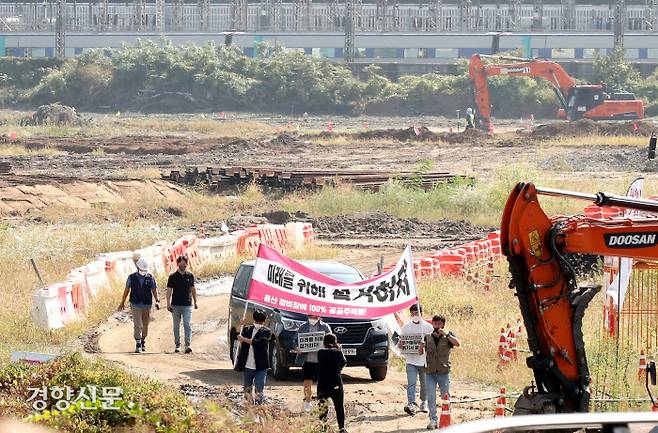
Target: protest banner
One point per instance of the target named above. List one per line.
(281, 282)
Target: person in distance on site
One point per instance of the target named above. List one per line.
(437, 347)
(470, 118)
(180, 296)
(253, 356)
(415, 363)
(142, 288)
(331, 361)
(309, 360)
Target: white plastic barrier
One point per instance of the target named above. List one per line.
(120, 264)
(45, 309)
(155, 258)
(219, 248)
(96, 277)
(295, 233)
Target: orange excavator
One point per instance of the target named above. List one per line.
(589, 101)
(552, 304)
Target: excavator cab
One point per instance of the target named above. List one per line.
(582, 99)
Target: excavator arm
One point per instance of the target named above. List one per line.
(552, 304)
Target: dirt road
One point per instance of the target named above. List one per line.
(371, 406)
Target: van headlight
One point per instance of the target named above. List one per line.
(379, 325)
(290, 324)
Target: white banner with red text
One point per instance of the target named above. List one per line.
(281, 282)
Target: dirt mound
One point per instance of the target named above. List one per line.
(586, 127)
(284, 140)
(53, 114)
(383, 225)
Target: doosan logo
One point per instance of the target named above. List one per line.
(634, 240)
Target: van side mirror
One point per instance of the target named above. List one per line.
(651, 372)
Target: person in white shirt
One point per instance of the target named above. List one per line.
(415, 363)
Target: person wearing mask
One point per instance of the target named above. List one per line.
(415, 363)
(309, 360)
(437, 347)
(142, 288)
(181, 294)
(253, 357)
(331, 361)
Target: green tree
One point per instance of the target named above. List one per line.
(615, 71)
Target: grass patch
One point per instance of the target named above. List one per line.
(146, 405)
(19, 150)
(480, 202)
(142, 173)
(57, 249)
(599, 140)
(112, 126)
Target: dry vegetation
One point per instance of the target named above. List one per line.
(476, 316)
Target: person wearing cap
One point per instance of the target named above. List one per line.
(181, 295)
(437, 347)
(309, 360)
(415, 362)
(142, 288)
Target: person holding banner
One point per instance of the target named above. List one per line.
(411, 336)
(253, 357)
(310, 337)
(331, 361)
(437, 346)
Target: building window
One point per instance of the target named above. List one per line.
(563, 53)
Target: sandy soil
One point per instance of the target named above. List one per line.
(371, 406)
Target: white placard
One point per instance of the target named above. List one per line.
(410, 344)
(310, 341)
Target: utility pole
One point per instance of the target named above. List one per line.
(140, 6)
(204, 15)
(620, 23)
(238, 15)
(348, 53)
(568, 14)
(178, 15)
(159, 15)
(60, 30)
(651, 14)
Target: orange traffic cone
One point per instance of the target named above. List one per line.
(502, 342)
(519, 328)
(511, 343)
(642, 370)
(444, 420)
(504, 359)
(500, 408)
(503, 395)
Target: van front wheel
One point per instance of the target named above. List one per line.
(279, 370)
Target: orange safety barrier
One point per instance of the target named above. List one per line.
(417, 270)
(638, 318)
(191, 245)
(642, 370)
(426, 267)
(65, 301)
(452, 263)
(308, 232)
(594, 211)
(248, 241)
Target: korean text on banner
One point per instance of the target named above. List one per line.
(281, 282)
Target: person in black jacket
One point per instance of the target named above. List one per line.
(331, 361)
(253, 356)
